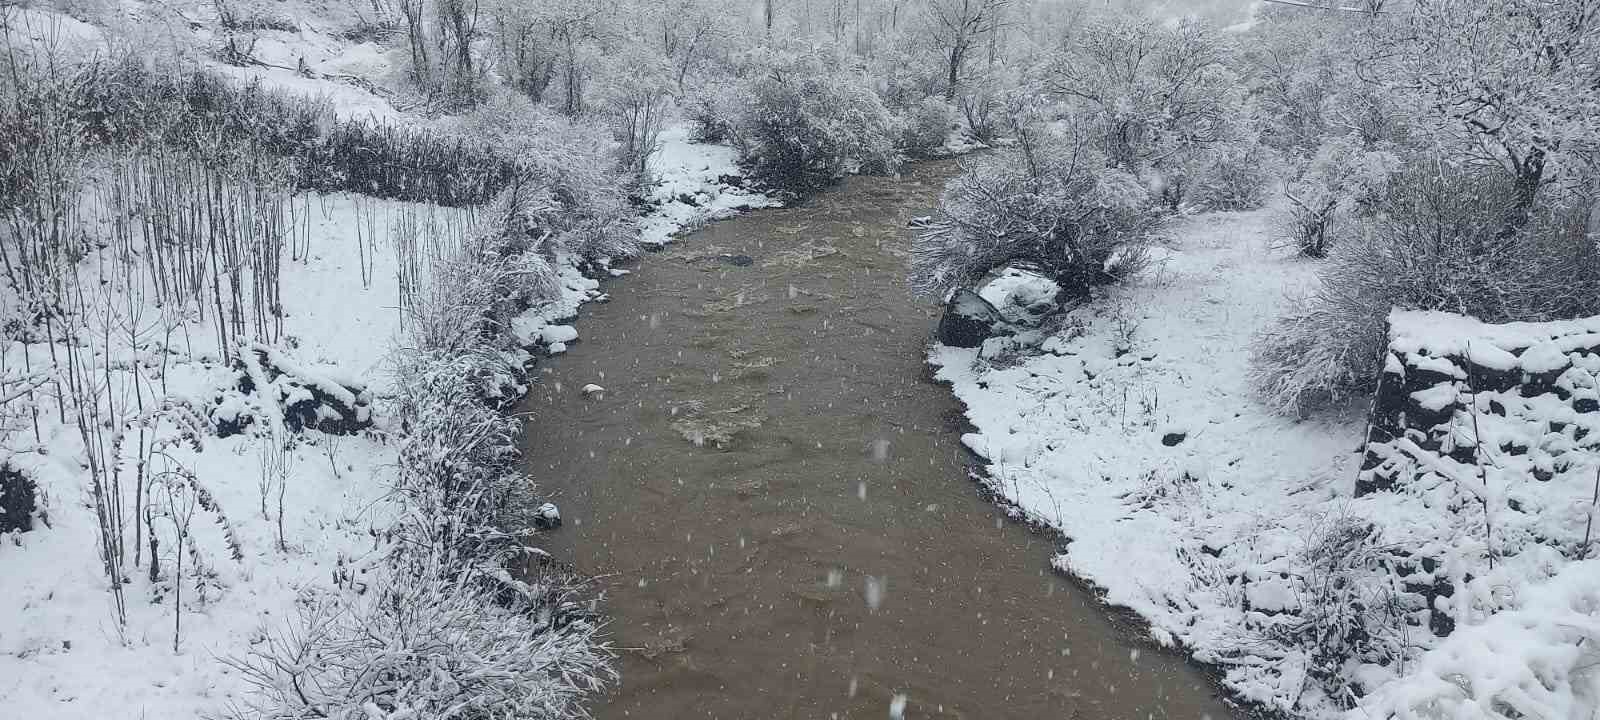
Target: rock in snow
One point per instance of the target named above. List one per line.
(17, 501)
(558, 334)
(969, 320)
(548, 516)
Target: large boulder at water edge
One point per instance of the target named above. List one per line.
(969, 320)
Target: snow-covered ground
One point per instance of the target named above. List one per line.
(1132, 428)
(695, 184)
(1088, 440)
(265, 527)
(62, 654)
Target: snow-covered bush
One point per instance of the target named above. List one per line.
(980, 110)
(811, 118)
(1346, 607)
(925, 126)
(981, 102)
(633, 95)
(1236, 176)
(448, 629)
(1437, 243)
(457, 468)
(1154, 92)
(1343, 181)
(1293, 66)
(430, 647)
(714, 108)
(903, 74)
(1505, 85)
(1045, 207)
(567, 184)
(129, 103)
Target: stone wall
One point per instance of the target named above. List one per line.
(1492, 434)
(1528, 389)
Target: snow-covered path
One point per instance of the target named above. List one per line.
(780, 496)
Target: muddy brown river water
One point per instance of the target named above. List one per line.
(779, 503)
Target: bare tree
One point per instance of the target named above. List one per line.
(1158, 92)
(688, 29)
(1508, 84)
(417, 34)
(955, 27)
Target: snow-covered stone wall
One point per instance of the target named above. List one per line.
(1530, 389)
(1498, 425)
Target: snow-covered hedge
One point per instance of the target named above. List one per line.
(130, 102)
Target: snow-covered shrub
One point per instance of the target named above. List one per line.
(903, 74)
(566, 185)
(811, 118)
(430, 647)
(633, 95)
(1294, 66)
(1343, 181)
(468, 502)
(714, 109)
(1152, 92)
(1236, 176)
(1437, 243)
(1346, 608)
(1047, 209)
(128, 103)
(981, 102)
(1321, 349)
(980, 111)
(925, 126)
(457, 467)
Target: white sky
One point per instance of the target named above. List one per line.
(1221, 12)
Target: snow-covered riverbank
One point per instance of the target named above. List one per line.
(1134, 431)
(258, 524)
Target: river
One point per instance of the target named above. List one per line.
(776, 499)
